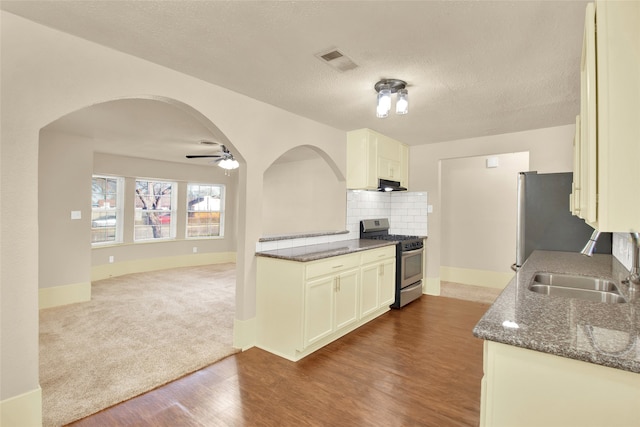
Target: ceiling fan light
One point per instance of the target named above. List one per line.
(229, 163)
(402, 103)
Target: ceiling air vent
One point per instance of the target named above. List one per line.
(337, 60)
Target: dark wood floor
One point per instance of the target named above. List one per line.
(419, 366)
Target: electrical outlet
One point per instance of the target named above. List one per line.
(111, 258)
(195, 249)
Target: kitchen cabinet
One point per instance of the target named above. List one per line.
(330, 304)
(606, 173)
(529, 388)
(303, 306)
(372, 156)
(378, 275)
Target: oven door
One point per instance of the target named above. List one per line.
(411, 267)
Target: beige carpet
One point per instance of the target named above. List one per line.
(138, 332)
(469, 292)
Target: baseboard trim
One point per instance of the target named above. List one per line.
(64, 294)
(104, 271)
(24, 410)
(432, 286)
(468, 276)
(244, 333)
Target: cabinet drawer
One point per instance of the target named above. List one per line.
(332, 265)
(374, 255)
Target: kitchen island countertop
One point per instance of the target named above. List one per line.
(325, 250)
(601, 333)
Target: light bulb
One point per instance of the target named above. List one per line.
(402, 103)
(384, 102)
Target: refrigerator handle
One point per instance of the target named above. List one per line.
(520, 220)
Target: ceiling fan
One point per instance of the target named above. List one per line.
(224, 158)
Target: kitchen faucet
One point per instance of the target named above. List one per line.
(591, 244)
(634, 276)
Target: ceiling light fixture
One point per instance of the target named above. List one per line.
(385, 89)
(229, 163)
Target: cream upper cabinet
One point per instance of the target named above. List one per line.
(574, 200)
(608, 136)
(372, 156)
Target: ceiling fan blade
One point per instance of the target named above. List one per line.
(201, 156)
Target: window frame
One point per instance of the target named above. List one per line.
(118, 211)
(172, 211)
(221, 211)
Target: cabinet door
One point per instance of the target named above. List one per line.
(388, 158)
(588, 118)
(387, 283)
(369, 289)
(346, 298)
(574, 204)
(318, 309)
(389, 169)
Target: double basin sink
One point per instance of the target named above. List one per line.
(580, 287)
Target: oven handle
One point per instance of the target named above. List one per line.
(415, 251)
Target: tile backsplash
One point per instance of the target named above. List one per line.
(622, 249)
(407, 211)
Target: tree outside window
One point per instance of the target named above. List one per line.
(205, 205)
(106, 209)
(154, 210)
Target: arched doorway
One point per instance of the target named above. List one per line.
(127, 138)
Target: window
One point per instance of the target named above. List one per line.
(106, 209)
(205, 205)
(154, 210)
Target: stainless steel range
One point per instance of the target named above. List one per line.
(409, 259)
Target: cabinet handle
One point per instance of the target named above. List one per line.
(337, 266)
(338, 284)
(381, 270)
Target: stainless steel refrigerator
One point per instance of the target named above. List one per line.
(544, 219)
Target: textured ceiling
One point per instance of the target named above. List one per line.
(474, 68)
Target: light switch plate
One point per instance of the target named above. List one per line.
(76, 214)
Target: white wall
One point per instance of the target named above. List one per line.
(550, 150)
(64, 184)
(47, 74)
(302, 196)
(479, 215)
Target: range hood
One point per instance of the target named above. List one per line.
(387, 185)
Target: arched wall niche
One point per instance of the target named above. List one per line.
(304, 191)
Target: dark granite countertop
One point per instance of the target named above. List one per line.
(601, 333)
(325, 250)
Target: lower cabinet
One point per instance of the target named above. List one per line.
(527, 388)
(302, 306)
(378, 281)
(330, 303)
